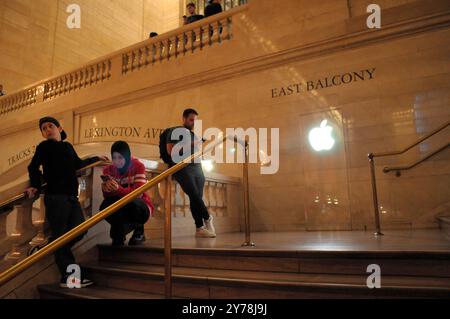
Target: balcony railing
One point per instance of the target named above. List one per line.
(172, 45)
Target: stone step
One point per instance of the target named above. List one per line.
(93, 292)
(444, 225)
(215, 283)
(396, 263)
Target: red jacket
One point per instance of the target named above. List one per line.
(132, 179)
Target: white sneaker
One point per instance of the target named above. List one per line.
(202, 232)
(209, 225)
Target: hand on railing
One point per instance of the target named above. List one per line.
(31, 192)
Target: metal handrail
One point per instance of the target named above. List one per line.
(83, 227)
(23, 195)
(407, 167)
(382, 154)
(372, 156)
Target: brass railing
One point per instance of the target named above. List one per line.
(372, 157)
(83, 227)
(398, 169)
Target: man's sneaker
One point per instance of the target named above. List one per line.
(209, 225)
(84, 282)
(202, 232)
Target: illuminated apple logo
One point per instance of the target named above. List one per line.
(320, 137)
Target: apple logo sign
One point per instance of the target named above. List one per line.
(320, 137)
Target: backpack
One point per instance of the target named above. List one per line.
(163, 154)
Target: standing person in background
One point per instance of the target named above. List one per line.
(214, 7)
(190, 178)
(192, 15)
(1, 90)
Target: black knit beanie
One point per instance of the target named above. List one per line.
(122, 148)
(49, 119)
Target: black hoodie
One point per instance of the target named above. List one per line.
(60, 163)
(212, 9)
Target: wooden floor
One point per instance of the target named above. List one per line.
(417, 240)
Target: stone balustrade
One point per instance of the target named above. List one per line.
(169, 46)
(23, 227)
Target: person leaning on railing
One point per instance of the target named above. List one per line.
(176, 141)
(119, 179)
(214, 7)
(193, 16)
(60, 163)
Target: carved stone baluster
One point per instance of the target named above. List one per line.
(213, 196)
(197, 39)
(97, 73)
(179, 197)
(156, 196)
(147, 51)
(65, 87)
(81, 79)
(57, 88)
(3, 219)
(176, 46)
(225, 200)
(206, 197)
(132, 60)
(168, 48)
(109, 69)
(219, 197)
(23, 228)
(75, 80)
(215, 28)
(189, 41)
(161, 194)
(139, 57)
(226, 32)
(124, 63)
(184, 40)
(92, 75)
(153, 53)
(161, 51)
(39, 224)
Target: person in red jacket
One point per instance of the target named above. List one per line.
(119, 179)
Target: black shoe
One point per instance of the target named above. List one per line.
(138, 238)
(118, 242)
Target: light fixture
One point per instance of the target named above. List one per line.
(207, 165)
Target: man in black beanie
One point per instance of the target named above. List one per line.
(60, 163)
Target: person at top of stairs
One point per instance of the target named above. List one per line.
(119, 179)
(191, 178)
(60, 163)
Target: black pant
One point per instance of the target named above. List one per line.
(192, 181)
(132, 216)
(63, 213)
